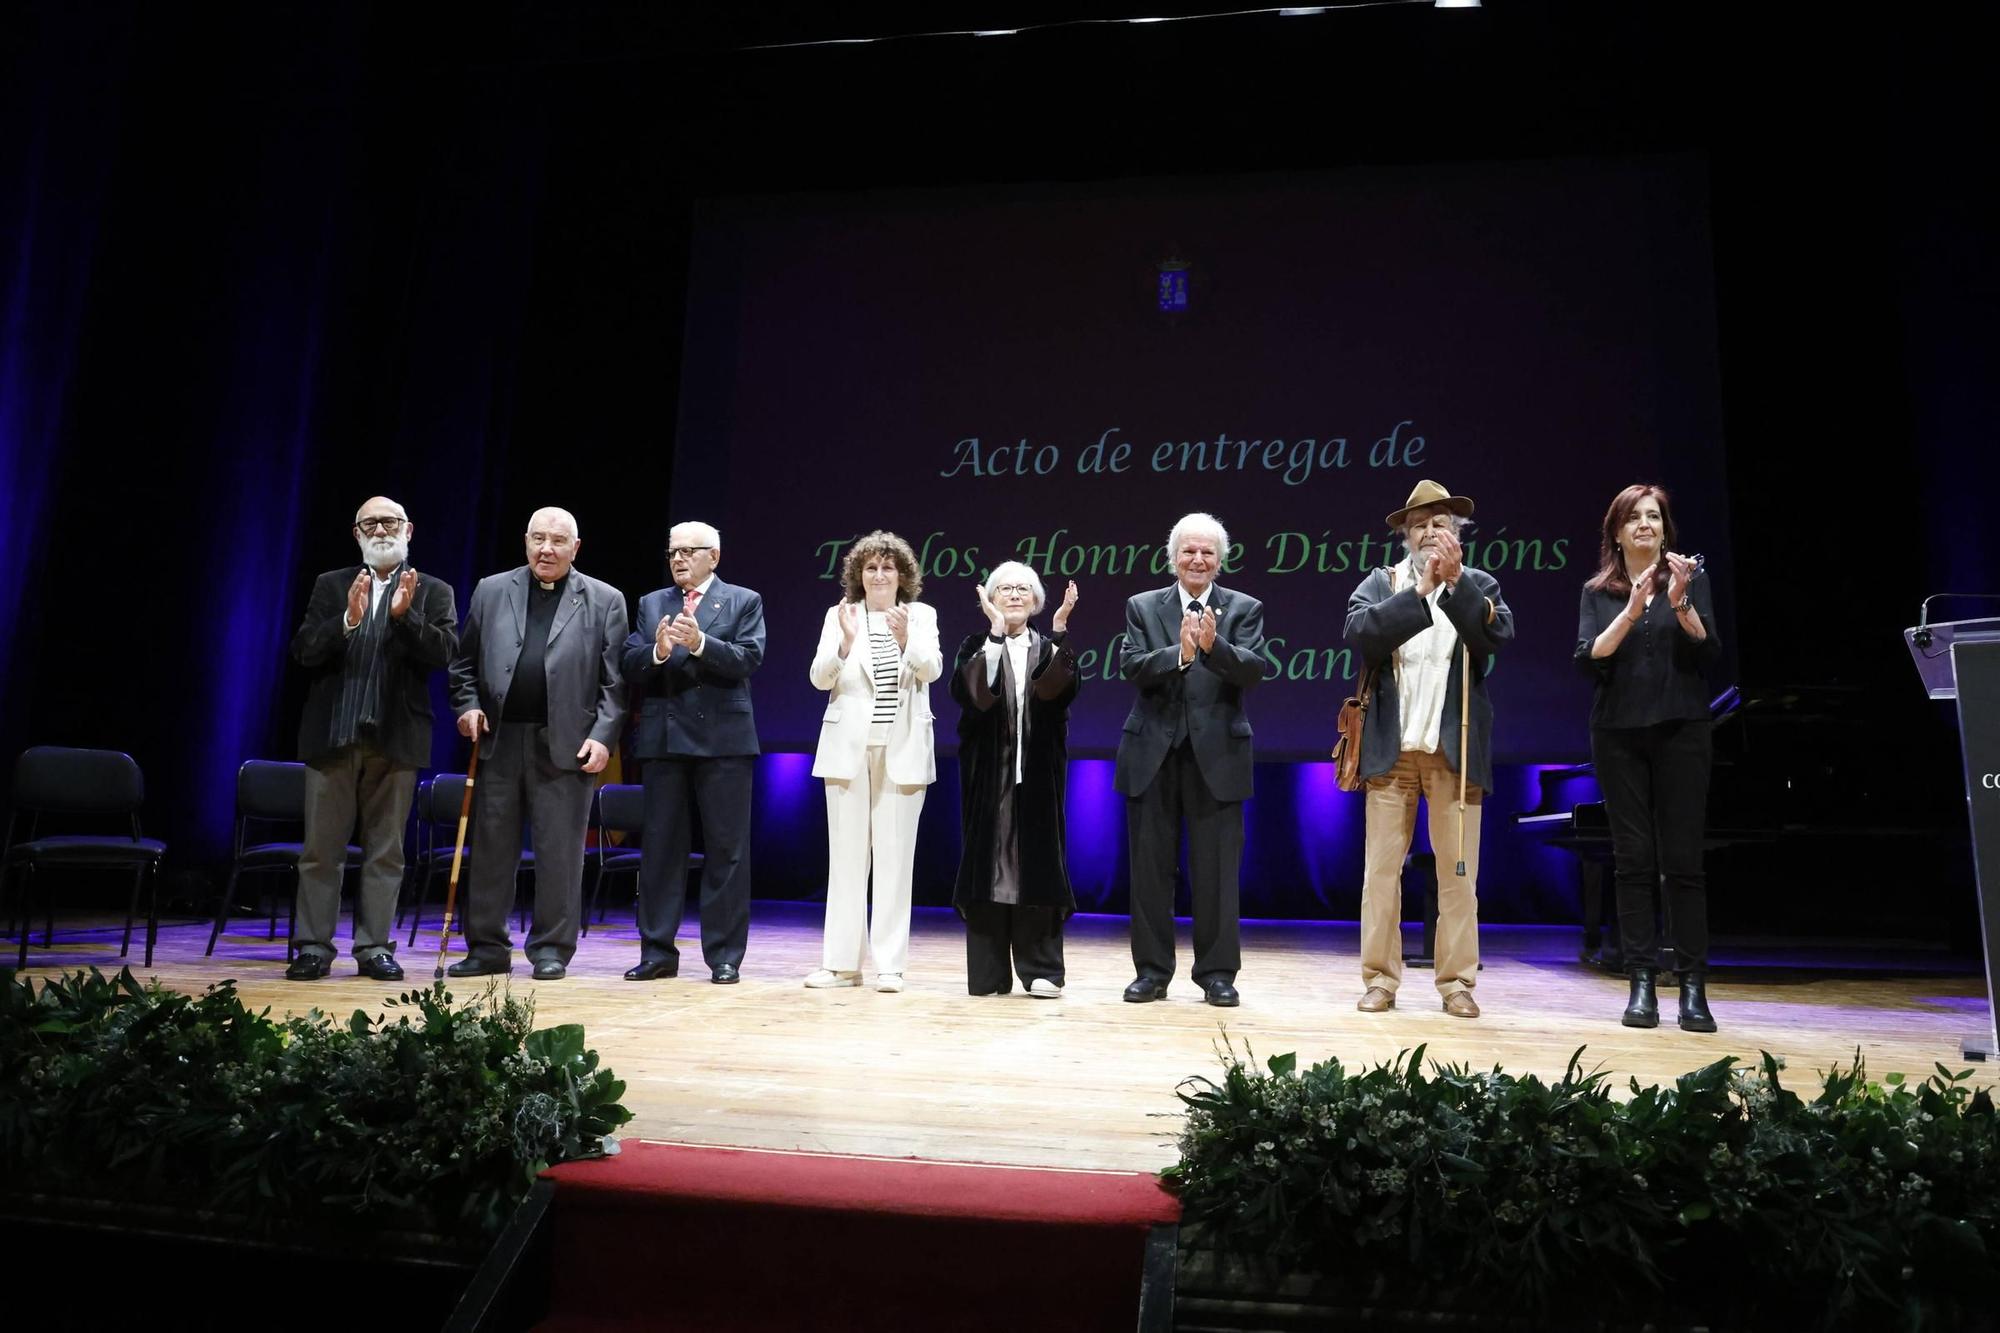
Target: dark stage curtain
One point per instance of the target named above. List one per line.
(260, 262)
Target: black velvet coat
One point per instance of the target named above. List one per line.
(985, 722)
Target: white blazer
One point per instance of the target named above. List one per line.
(850, 703)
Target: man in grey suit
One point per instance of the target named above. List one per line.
(689, 662)
(1192, 650)
(536, 683)
(372, 635)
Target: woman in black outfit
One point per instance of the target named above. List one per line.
(1014, 688)
(1646, 634)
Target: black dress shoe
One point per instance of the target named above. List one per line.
(550, 970)
(309, 967)
(655, 970)
(1220, 993)
(726, 975)
(1144, 989)
(380, 967)
(476, 966)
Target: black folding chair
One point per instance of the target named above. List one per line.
(620, 808)
(101, 785)
(270, 798)
(438, 803)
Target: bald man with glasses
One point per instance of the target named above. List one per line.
(372, 635)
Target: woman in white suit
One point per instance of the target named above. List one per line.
(877, 655)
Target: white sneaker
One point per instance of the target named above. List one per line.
(889, 982)
(1044, 989)
(825, 978)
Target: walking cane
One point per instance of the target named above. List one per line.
(1464, 756)
(458, 855)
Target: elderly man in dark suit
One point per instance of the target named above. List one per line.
(688, 663)
(1192, 650)
(1418, 624)
(371, 637)
(536, 682)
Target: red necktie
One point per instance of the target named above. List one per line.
(693, 601)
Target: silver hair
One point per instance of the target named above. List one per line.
(705, 532)
(1016, 572)
(575, 531)
(1198, 523)
(1458, 522)
(401, 512)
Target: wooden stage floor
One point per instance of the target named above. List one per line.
(1088, 1080)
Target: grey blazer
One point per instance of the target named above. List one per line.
(1209, 694)
(1380, 621)
(586, 687)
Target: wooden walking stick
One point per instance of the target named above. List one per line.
(1464, 755)
(458, 855)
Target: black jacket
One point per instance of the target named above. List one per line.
(1208, 695)
(1380, 621)
(420, 642)
(985, 726)
(1658, 673)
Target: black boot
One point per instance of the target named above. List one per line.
(1643, 1009)
(1694, 1003)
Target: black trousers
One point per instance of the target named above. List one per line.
(720, 789)
(1655, 785)
(1033, 936)
(1215, 853)
(519, 777)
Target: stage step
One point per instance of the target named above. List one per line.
(678, 1236)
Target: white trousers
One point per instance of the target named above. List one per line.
(870, 819)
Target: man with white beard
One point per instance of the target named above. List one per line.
(371, 637)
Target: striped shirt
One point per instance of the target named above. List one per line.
(885, 667)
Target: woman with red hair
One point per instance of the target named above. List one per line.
(1646, 634)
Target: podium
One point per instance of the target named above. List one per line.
(1961, 660)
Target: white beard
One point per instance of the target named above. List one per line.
(383, 554)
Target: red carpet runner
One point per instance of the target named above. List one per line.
(664, 1236)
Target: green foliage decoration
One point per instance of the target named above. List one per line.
(434, 1118)
(1725, 1199)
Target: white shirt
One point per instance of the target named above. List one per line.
(1185, 598)
(381, 585)
(1017, 653)
(1423, 669)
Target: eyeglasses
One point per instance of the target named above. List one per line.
(1014, 590)
(388, 527)
(686, 552)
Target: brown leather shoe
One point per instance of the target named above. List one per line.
(1375, 999)
(1460, 1004)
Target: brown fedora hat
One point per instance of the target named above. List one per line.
(1426, 494)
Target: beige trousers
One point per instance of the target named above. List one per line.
(1392, 818)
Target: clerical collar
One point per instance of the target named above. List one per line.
(550, 587)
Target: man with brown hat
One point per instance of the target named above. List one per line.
(1421, 625)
